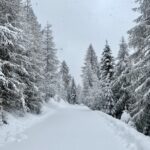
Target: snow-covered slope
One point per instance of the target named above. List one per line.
(66, 127)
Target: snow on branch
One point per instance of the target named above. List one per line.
(7, 35)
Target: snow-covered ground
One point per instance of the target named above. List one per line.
(65, 127)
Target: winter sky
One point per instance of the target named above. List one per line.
(77, 23)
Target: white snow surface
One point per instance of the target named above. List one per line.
(125, 117)
(65, 127)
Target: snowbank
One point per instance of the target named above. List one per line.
(17, 125)
(131, 138)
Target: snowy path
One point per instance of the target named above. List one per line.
(78, 128)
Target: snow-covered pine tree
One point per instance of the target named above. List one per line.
(107, 64)
(121, 94)
(89, 74)
(91, 59)
(108, 99)
(106, 78)
(100, 97)
(122, 59)
(51, 61)
(9, 14)
(11, 83)
(31, 51)
(72, 92)
(19, 90)
(140, 74)
(65, 80)
(139, 35)
(96, 95)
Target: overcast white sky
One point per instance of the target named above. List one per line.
(77, 23)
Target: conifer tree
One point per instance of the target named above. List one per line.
(12, 72)
(89, 74)
(106, 78)
(107, 64)
(120, 83)
(139, 75)
(31, 48)
(123, 95)
(122, 59)
(73, 92)
(19, 90)
(65, 79)
(51, 61)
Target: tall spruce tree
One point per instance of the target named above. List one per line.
(19, 90)
(106, 78)
(123, 92)
(32, 39)
(89, 74)
(139, 39)
(65, 80)
(120, 83)
(51, 61)
(12, 85)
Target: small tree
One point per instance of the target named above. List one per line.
(73, 93)
(108, 98)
